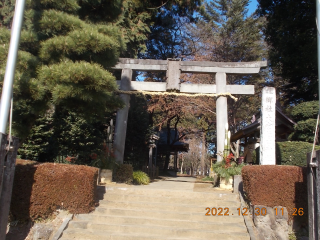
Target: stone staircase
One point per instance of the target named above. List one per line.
(142, 213)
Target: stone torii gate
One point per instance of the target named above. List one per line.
(173, 68)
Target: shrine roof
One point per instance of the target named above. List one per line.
(283, 124)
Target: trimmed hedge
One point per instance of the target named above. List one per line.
(40, 189)
(277, 186)
(293, 153)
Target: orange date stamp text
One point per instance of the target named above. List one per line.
(245, 211)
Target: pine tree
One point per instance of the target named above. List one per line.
(6, 12)
(63, 59)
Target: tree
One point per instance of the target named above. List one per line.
(305, 114)
(226, 34)
(194, 157)
(62, 61)
(6, 12)
(292, 41)
(64, 133)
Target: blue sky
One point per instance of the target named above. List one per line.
(252, 6)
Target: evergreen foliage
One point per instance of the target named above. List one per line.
(304, 131)
(234, 35)
(6, 12)
(293, 153)
(305, 110)
(62, 60)
(227, 172)
(306, 116)
(63, 133)
(291, 33)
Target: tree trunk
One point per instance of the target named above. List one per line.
(203, 153)
(166, 162)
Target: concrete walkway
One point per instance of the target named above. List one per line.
(171, 209)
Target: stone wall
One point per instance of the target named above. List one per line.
(271, 223)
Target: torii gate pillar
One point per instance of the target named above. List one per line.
(221, 112)
(122, 116)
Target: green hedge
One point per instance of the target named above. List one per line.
(293, 153)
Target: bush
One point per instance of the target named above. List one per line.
(305, 114)
(40, 189)
(305, 111)
(277, 186)
(123, 173)
(227, 167)
(304, 131)
(140, 177)
(293, 153)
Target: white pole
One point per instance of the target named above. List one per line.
(11, 65)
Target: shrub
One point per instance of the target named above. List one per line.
(222, 171)
(305, 111)
(227, 167)
(39, 189)
(140, 177)
(293, 153)
(123, 173)
(277, 186)
(305, 114)
(304, 131)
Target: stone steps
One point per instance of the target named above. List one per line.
(167, 215)
(82, 221)
(155, 198)
(105, 235)
(149, 232)
(167, 206)
(156, 193)
(141, 213)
